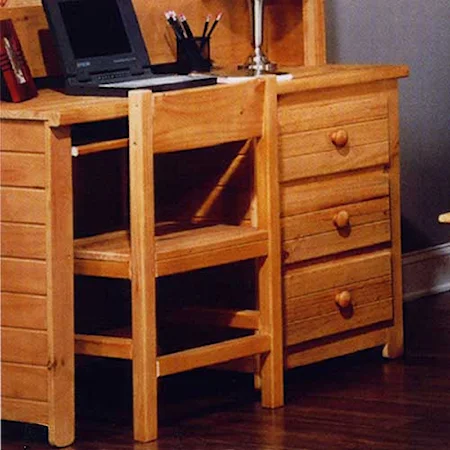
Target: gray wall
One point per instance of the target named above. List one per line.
(416, 33)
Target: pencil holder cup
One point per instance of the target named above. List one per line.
(193, 55)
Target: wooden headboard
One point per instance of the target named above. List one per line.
(294, 32)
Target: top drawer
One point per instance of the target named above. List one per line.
(322, 137)
(295, 117)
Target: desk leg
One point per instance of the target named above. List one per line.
(59, 243)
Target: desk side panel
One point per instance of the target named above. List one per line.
(24, 298)
(36, 263)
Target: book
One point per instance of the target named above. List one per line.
(241, 77)
(17, 84)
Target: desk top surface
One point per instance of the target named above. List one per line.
(60, 109)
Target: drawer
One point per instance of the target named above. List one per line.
(23, 240)
(311, 295)
(23, 276)
(24, 382)
(334, 230)
(300, 198)
(22, 346)
(23, 136)
(332, 150)
(23, 205)
(24, 311)
(295, 116)
(22, 169)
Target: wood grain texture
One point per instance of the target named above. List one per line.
(395, 344)
(23, 240)
(318, 277)
(23, 205)
(27, 411)
(22, 169)
(24, 346)
(24, 311)
(60, 292)
(25, 276)
(314, 154)
(227, 121)
(21, 381)
(331, 192)
(330, 113)
(315, 234)
(13, 139)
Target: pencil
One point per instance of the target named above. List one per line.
(214, 25)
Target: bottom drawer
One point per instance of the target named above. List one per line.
(361, 284)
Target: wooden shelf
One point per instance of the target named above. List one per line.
(108, 255)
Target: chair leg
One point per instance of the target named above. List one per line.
(271, 365)
(142, 222)
(145, 409)
(145, 386)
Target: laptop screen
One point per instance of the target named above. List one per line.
(96, 36)
(94, 28)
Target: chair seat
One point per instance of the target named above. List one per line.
(108, 254)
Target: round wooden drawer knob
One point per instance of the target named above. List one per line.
(341, 219)
(339, 138)
(343, 299)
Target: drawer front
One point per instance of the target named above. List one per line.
(24, 311)
(23, 346)
(22, 240)
(27, 276)
(23, 136)
(312, 196)
(331, 150)
(297, 117)
(23, 205)
(22, 169)
(334, 230)
(311, 295)
(24, 382)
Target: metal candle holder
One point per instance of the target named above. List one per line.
(258, 63)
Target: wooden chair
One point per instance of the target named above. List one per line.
(181, 121)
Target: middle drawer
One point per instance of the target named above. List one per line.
(332, 216)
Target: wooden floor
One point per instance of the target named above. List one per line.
(355, 402)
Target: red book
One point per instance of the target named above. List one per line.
(17, 84)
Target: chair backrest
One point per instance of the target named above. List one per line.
(204, 117)
(196, 118)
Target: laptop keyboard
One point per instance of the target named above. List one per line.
(156, 80)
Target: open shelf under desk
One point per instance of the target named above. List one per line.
(108, 255)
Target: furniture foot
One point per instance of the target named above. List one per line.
(391, 351)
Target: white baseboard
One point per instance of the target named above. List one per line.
(426, 272)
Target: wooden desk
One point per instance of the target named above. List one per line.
(338, 134)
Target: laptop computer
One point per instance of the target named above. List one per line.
(102, 50)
